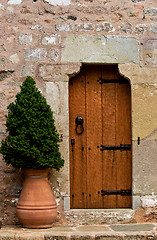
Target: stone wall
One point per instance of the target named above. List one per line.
(49, 40)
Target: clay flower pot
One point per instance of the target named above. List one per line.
(37, 206)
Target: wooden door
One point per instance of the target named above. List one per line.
(100, 149)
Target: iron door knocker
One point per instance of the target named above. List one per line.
(79, 122)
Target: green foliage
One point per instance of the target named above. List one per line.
(32, 140)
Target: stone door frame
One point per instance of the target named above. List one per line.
(125, 54)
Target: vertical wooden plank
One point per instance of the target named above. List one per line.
(94, 137)
(123, 136)
(108, 112)
(78, 150)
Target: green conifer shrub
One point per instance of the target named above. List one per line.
(32, 140)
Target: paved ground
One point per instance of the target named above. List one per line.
(84, 232)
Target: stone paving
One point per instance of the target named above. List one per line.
(84, 232)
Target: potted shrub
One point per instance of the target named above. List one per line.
(32, 144)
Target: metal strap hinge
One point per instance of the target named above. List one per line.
(121, 80)
(121, 192)
(121, 147)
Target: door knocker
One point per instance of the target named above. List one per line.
(79, 124)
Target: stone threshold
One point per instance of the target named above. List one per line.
(99, 216)
(96, 232)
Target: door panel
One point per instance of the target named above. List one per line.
(109, 137)
(78, 150)
(106, 111)
(94, 137)
(123, 126)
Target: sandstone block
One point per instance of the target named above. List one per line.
(126, 28)
(96, 48)
(29, 236)
(151, 11)
(82, 237)
(153, 28)
(58, 72)
(34, 55)
(25, 39)
(108, 237)
(54, 55)
(27, 70)
(149, 51)
(53, 73)
(57, 92)
(84, 27)
(147, 45)
(15, 2)
(5, 74)
(140, 28)
(60, 122)
(1, 6)
(50, 237)
(3, 62)
(58, 2)
(10, 9)
(64, 27)
(14, 58)
(107, 27)
(135, 228)
(149, 201)
(66, 203)
(138, 74)
(136, 202)
(53, 39)
(2, 48)
(7, 236)
(37, 27)
(134, 237)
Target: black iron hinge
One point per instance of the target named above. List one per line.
(121, 81)
(121, 147)
(121, 192)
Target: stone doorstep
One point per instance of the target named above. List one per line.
(98, 232)
(133, 227)
(99, 216)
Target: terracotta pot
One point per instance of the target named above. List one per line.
(37, 206)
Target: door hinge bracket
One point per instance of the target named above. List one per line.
(121, 192)
(121, 147)
(120, 80)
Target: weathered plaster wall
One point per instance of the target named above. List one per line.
(49, 39)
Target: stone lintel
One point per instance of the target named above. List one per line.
(100, 49)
